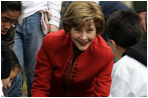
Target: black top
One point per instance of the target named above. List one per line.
(138, 52)
(5, 60)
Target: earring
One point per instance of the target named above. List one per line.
(13, 26)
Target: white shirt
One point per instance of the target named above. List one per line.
(31, 7)
(129, 78)
(98, 2)
(1, 86)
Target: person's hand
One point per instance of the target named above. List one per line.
(143, 16)
(53, 28)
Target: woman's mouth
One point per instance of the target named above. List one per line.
(83, 43)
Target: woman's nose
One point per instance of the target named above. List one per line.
(84, 36)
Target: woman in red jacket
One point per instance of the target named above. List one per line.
(75, 61)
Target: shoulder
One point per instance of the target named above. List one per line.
(100, 50)
(101, 43)
(57, 39)
(129, 67)
(102, 47)
(132, 73)
(57, 36)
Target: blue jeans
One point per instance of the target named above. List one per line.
(28, 40)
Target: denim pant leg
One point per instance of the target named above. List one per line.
(16, 88)
(32, 38)
(28, 40)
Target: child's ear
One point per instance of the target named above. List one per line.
(114, 45)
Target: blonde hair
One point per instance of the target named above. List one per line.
(80, 12)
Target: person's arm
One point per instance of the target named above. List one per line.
(143, 16)
(54, 8)
(43, 73)
(103, 81)
(15, 61)
(141, 8)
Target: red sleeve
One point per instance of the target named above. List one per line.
(103, 80)
(43, 73)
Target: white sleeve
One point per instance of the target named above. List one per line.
(54, 8)
(120, 88)
(97, 2)
(1, 86)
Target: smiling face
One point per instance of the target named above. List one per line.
(7, 82)
(8, 18)
(83, 37)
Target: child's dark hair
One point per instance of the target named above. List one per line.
(11, 5)
(5, 61)
(124, 28)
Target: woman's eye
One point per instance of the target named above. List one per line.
(77, 30)
(90, 30)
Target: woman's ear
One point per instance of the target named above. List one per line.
(114, 45)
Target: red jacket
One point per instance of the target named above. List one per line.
(55, 75)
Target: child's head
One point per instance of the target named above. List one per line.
(10, 11)
(81, 12)
(9, 69)
(10, 5)
(123, 29)
(7, 82)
